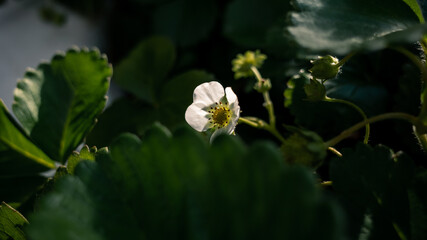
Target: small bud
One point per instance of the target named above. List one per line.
(304, 147)
(242, 63)
(315, 91)
(263, 86)
(325, 67)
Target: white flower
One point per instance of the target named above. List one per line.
(213, 109)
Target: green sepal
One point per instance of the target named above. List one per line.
(315, 91)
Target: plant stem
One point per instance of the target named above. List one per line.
(423, 69)
(396, 115)
(261, 124)
(268, 104)
(368, 128)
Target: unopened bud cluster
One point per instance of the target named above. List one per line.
(243, 62)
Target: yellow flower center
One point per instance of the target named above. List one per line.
(219, 115)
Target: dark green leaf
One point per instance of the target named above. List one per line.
(323, 117)
(124, 115)
(176, 187)
(418, 208)
(343, 26)
(186, 21)
(57, 103)
(374, 182)
(144, 70)
(20, 161)
(19, 156)
(177, 95)
(247, 22)
(11, 223)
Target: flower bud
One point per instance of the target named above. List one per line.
(304, 147)
(263, 86)
(315, 91)
(325, 67)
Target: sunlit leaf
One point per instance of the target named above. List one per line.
(11, 223)
(343, 26)
(414, 5)
(57, 103)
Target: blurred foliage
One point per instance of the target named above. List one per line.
(176, 187)
(379, 196)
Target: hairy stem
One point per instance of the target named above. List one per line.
(336, 152)
(261, 124)
(367, 126)
(396, 115)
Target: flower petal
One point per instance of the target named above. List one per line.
(234, 105)
(208, 93)
(231, 96)
(196, 117)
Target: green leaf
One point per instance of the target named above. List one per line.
(186, 22)
(247, 22)
(84, 154)
(58, 102)
(177, 95)
(373, 182)
(144, 70)
(413, 4)
(20, 161)
(177, 187)
(11, 223)
(326, 119)
(340, 27)
(139, 116)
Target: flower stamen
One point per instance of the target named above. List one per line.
(220, 116)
